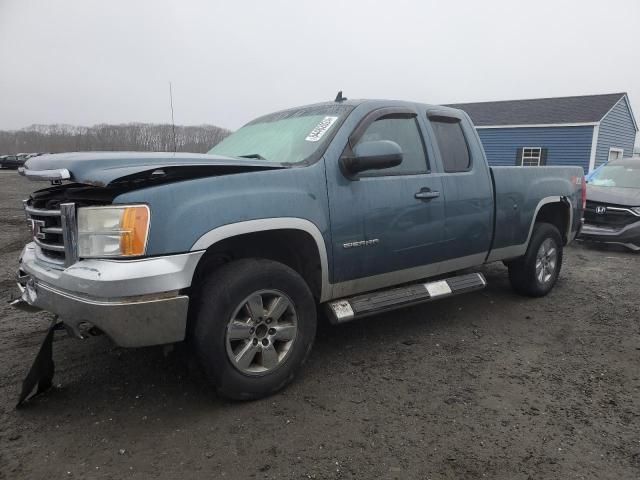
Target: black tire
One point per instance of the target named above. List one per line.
(222, 295)
(524, 277)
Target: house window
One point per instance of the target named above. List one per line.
(616, 153)
(531, 157)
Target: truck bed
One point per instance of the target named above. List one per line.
(520, 192)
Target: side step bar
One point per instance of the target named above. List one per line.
(347, 309)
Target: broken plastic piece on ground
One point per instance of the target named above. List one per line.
(41, 372)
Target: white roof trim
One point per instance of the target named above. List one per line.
(628, 103)
(540, 125)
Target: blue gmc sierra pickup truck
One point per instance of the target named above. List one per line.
(359, 207)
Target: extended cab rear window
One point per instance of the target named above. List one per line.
(451, 143)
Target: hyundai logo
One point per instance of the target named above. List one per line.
(601, 210)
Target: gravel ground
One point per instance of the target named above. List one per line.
(487, 385)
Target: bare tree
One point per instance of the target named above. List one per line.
(132, 136)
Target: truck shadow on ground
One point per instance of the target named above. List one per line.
(94, 375)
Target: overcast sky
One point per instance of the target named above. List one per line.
(86, 62)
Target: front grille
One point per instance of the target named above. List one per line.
(53, 231)
(614, 216)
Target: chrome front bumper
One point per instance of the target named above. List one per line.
(135, 302)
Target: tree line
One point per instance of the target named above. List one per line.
(131, 136)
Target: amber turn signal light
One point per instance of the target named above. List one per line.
(134, 230)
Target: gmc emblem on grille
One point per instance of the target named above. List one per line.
(601, 210)
(36, 228)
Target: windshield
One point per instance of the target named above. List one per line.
(291, 136)
(624, 176)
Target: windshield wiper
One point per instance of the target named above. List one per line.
(253, 155)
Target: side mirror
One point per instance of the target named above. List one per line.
(374, 155)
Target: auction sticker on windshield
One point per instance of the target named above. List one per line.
(323, 127)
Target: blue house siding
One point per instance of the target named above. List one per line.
(616, 130)
(565, 145)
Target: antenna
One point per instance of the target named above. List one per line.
(173, 124)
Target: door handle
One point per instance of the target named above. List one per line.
(426, 194)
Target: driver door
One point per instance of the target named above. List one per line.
(387, 225)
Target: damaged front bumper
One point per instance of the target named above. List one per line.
(135, 302)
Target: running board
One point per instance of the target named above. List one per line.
(347, 309)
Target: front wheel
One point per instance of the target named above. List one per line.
(537, 271)
(255, 325)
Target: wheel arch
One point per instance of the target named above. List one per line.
(296, 242)
(557, 211)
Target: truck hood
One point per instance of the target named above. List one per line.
(105, 168)
(628, 197)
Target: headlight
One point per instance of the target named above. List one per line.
(118, 231)
(636, 209)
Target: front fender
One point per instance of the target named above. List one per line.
(194, 214)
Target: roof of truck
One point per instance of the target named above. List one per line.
(375, 102)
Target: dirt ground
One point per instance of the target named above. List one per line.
(487, 385)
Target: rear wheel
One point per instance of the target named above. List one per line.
(537, 271)
(255, 325)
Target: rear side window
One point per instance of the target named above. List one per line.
(452, 144)
(403, 130)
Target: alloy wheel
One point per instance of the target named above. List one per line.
(546, 261)
(261, 332)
